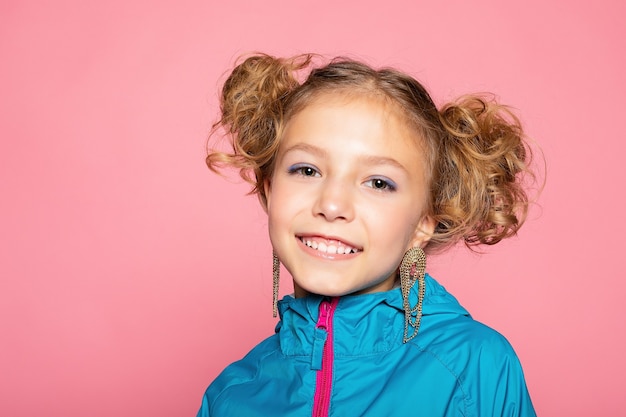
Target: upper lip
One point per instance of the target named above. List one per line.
(336, 238)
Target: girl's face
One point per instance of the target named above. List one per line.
(348, 195)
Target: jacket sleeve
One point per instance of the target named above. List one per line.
(204, 408)
(502, 389)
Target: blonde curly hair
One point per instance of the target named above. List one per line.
(475, 148)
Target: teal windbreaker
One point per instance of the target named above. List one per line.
(345, 357)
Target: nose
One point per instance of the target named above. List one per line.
(334, 201)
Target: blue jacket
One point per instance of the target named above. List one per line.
(345, 357)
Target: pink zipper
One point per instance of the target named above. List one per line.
(323, 386)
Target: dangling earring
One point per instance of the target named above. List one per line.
(275, 281)
(412, 269)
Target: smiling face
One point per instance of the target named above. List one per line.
(348, 195)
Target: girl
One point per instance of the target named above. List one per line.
(360, 175)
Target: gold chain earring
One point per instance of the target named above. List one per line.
(412, 270)
(275, 282)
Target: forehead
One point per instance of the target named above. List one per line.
(346, 96)
(365, 114)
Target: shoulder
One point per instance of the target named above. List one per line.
(242, 371)
(483, 362)
(462, 343)
(448, 331)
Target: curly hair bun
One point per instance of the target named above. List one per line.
(480, 196)
(251, 109)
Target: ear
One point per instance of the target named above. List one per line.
(423, 231)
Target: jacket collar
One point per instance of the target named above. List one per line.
(363, 324)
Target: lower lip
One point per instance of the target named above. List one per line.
(325, 255)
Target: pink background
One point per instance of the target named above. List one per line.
(130, 275)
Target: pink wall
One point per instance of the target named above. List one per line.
(130, 276)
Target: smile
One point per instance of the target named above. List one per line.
(328, 246)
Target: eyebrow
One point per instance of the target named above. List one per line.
(367, 160)
(383, 160)
(305, 147)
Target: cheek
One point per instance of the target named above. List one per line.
(272, 194)
(281, 208)
(276, 199)
(388, 225)
(397, 226)
(274, 228)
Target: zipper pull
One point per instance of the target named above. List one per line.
(322, 320)
(320, 335)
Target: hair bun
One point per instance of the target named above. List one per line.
(482, 198)
(251, 107)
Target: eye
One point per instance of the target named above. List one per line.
(381, 184)
(303, 170)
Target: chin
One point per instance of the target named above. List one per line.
(341, 290)
(326, 290)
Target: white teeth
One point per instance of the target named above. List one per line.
(331, 249)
